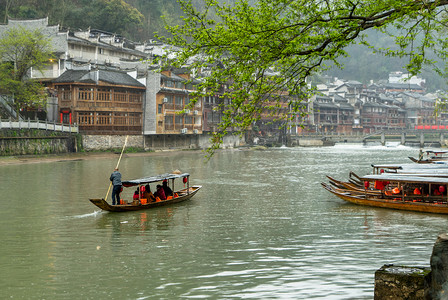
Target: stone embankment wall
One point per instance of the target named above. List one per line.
(108, 142)
(155, 142)
(36, 142)
(414, 283)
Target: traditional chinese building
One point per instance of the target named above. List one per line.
(101, 101)
(168, 109)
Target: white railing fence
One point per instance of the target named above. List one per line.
(37, 124)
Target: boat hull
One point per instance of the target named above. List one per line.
(184, 194)
(391, 203)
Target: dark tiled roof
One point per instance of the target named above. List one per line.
(325, 105)
(172, 78)
(346, 106)
(92, 76)
(404, 86)
(375, 104)
(323, 97)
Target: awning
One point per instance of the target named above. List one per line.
(157, 178)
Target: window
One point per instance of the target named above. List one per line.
(135, 97)
(179, 120)
(103, 118)
(103, 94)
(179, 100)
(159, 108)
(85, 94)
(169, 83)
(85, 118)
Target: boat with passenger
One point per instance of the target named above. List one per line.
(140, 203)
(396, 191)
(431, 157)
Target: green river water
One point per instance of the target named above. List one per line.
(261, 228)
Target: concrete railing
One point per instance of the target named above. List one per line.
(9, 124)
(7, 107)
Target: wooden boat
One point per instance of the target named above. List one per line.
(427, 170)
(420, 161)
(432, 156)
(429, 201)
(179, 195)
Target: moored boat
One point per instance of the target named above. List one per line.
(436, 169)
(139, 204)
(404, 192)
(432, 156)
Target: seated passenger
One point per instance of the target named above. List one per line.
(396, 191)
(147, 194)
(438, 191)
(168, 191)
(160, 192)
(442, 189)
(417, 191)
(142, 191)
(136, 195)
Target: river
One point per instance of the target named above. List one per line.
(261, 228)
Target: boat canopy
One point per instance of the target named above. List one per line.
(393, 167)
(436, 165)
(436, 152)
(406, 178)
(145, 180)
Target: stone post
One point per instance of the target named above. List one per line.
(401, 282)
(383, 139)
(403, 138)
(439, 268)
(422, 140)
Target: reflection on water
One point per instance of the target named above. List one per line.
(261, 227)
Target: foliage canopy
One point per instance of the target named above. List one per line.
(273, 46)
(20, 51)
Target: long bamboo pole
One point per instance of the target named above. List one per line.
(118, 163)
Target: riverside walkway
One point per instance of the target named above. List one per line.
(42, 125)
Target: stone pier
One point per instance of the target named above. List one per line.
(416, 283)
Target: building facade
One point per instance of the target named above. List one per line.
(101, 101)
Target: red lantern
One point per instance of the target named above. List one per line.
(366, 184)
(184, 180)
(142, 188)
(442, 189)
(381, 171)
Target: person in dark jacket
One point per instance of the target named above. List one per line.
(160, 192)
(168, 191)
(115, 177)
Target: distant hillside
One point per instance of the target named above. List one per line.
(135, 19)
(363, 65)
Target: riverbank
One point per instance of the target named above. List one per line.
(33, 159)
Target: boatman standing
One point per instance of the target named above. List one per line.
(115, 177)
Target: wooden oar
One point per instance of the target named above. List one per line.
(118, 163)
